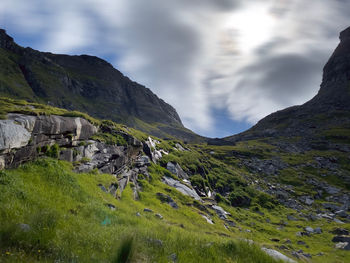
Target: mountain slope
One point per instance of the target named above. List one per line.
(160, 200)
(84, 83)
(324, 121)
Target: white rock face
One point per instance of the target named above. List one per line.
(277, 255)
(13, 135)
(26, 121)
(209, 221)
(181, 187)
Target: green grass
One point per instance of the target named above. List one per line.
(69, 221)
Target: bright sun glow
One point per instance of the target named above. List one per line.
(250, 27)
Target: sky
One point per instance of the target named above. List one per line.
(223, 64)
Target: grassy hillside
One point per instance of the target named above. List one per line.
(50, 213)
(68, 221)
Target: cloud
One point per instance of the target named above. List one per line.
(247, 58)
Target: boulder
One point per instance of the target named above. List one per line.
(341, 239)
(24, 227)
(278, 255)
(66, 155)
(343, 245)
(207, 218)
(340, 231)
(309, 229)
(167, 199)
(318, 230)
(220, 211)
(159, 216)
(176, 169)
(291, 218)
(184, 189)
(341, 213)
(143, 161)
(13, 135)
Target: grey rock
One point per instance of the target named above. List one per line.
(159, 216)
(331, 190)
(167, 199)
(102, 188)
(332, 207)
(24, 227)
(113, 189)
(66, 155)
(341, 213)
(309, 201)
(176, 169)
(230, 223)
(343, 245)
(220, 211)
(278, 255)
(179, 147)
(338, 221)
(309, 229)
(340, 231)
(301, 234)
(110, 206)
(138, 214)
(314, 217)
(184, 189)
(208, 219)
(148, 210)
(318, 230)
(291, 218)
(341, 239)
(173, 257)
(143, 161)
(13, 135)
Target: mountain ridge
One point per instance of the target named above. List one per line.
(88, 84)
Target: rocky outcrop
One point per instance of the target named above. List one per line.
(24, 138)
(278, 255)
(184, 189)
(176, 170)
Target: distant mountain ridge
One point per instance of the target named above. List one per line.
(85, 83)
(323, 119)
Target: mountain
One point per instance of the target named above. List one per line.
(85, 83)
(321, 123)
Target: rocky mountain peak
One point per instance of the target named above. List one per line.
(345, 34)
(5, 40)
(336, 76)
(328, 109)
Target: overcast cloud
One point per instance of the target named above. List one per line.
(249, 58)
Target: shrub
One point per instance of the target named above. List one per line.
(53, 151)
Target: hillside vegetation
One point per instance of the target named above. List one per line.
(51, 213)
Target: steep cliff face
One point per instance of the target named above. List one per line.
(321, 121)
(85, 83)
